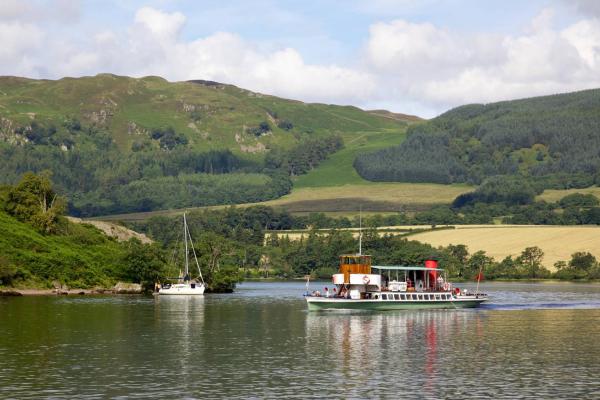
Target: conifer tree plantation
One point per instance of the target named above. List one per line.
(545, 142)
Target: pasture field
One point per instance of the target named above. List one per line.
(553, 195)
(370, 196)
(345, 200)
(338, 169)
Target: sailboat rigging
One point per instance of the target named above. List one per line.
(186, 285)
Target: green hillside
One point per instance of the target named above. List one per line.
(112, 142)
(551, 141)
(80, 257)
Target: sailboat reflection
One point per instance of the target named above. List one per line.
(183, 318)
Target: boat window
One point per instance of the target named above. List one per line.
(414, 296)
(420, 297)
(447, 296)
(396, 297)
(402, 297)
(384, 297)
(437, 296)
(376, 296)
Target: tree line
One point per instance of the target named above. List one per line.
(236, 239)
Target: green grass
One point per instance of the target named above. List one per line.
(338, 168)
(81, 257)
(153, 102)
(554, 195)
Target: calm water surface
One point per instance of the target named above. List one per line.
(531, 341)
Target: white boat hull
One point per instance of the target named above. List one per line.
(183, 289)
(323, 303)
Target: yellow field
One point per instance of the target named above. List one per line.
(345, 200)
(499, 241)
(551, 195)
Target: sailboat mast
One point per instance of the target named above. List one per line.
(185, 233)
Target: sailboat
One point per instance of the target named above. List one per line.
(185, 285)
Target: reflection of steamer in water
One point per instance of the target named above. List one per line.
(393, 288)
(391, 344)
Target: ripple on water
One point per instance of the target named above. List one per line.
(530, 341)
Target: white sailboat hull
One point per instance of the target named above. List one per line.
(183, 289)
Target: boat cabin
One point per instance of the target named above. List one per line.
(400, 278)
(354, 264)
(359, 279)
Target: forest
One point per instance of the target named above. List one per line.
(550, 141)
(98, 179)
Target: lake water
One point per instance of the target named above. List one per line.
(531, 341)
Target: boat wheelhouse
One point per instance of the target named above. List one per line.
(361, 285)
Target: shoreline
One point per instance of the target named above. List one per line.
(53, 292)
(7, 292)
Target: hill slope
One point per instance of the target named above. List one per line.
(119, 144)
(554, 139)
(81, 257)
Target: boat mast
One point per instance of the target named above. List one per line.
(360, 232)
(185, 233)
(195, 258)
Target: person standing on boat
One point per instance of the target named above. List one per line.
(326, 292)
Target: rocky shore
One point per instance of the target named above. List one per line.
(119, 288)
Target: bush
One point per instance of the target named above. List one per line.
(579, 200)
(285, 125)
(263, 127)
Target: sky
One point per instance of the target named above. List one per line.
(417, 57)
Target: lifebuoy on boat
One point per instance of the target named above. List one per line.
(446, 286)
(457, 291)
(366, 280)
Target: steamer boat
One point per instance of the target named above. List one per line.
(358, 287)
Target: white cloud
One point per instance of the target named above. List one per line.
(585, 7)
(153, 47)
(40, 11)
(18, 40)
(421, 66)
(161, 25)
(441, 69)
